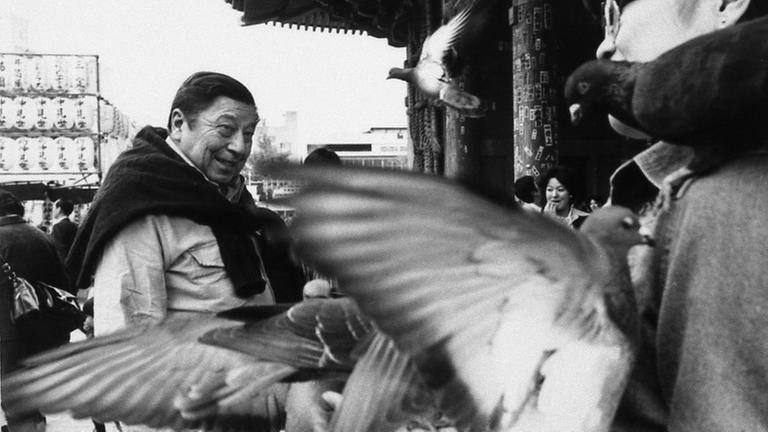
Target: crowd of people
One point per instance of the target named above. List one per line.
(174, 232)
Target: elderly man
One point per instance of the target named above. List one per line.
(173, 230)
(702, 292)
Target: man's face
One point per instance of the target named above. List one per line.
(218, 139)
(645, 29)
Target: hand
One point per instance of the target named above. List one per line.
(550, 208)
(310, 406)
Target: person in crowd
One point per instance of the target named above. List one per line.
(527, 194)
(702, 291)
(594, 202)
(173, 231)
(32, 255)
(322, 156)
(63, 230)
(561, 186)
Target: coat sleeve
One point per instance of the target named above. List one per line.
(129, 282)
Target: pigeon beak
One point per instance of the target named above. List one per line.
(647, 239)
(576, 114)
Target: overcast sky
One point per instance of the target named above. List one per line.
(147, 47)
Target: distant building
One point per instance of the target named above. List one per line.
(380, 147)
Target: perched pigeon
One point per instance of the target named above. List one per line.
(708, 93)
(431, 76)
(209, 372)
(514, 321)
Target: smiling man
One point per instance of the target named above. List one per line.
(173, 230)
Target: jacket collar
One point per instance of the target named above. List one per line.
(11, 220)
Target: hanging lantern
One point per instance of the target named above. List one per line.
(25, 115)
(85, 153)
(5, 80)
(46, 153)
(107, 117)
(64, 113)
(58, 73)
(66, 154)
(37, 74)
(7, 115)
(7, 154)
(26, 149)
(85, 112)
(16, 73)
(45, 113)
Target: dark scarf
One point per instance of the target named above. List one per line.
(151, 178)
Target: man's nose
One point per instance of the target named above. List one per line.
(606, 49)
(238, 144)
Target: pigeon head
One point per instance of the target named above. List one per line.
(600, 85)
(617, 228)
(399, 73)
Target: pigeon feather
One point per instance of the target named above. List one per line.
(484, 298)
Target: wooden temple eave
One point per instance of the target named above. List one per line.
(386, 19)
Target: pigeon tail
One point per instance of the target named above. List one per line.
(465, 103)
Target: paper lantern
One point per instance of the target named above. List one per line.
(16, 73)
(58, 73)
(46, 151)
(7, 115)
(106, 117)
(37, 73)
(26, 154)
(5, 75)
(83, 74)
(64, 113)
(85, 149)
(45, 113)
(66, 154)
(85, 112)
(7, 154)
(23, 109)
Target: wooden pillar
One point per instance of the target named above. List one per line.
(535, 91)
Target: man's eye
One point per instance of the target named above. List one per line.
(226, 130)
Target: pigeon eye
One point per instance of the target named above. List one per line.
(583, 87)
(628, 223)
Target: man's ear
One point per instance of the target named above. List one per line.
(177, 121)
(731, 11)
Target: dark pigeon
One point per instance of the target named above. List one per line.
(709, 93)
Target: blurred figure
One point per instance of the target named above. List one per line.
(33, 256)
(562, 186)
(63, 230)
(322, 156)
(527, 194)
(594, 202)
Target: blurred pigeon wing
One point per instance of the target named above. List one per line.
(445, 272)
(437, 44)
(314, 334)
(159, 376)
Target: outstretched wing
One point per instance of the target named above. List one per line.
(318, 334)
(465, 286)
(439, 43)
(160, 376)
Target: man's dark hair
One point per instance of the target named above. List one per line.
(322, 156)
(756, 8)
(9, 204)
(200, 90)
(66, 206)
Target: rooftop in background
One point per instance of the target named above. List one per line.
(379, 18)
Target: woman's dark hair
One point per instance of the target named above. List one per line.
(568, 177)
(200, 90)
(322, 156)
(9, 204)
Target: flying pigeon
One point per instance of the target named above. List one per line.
(514, 321)
(430, 75)
(211, 373)
(708, 93)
